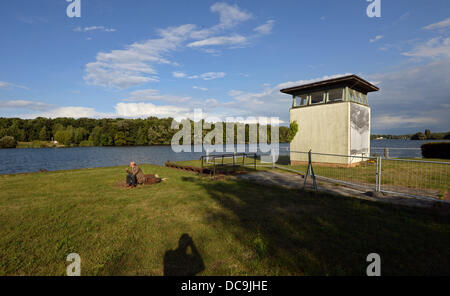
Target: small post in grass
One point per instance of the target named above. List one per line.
(310, 171)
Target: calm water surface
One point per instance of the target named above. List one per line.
(31, 160)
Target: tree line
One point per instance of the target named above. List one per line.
(427, 135)
(72, 132)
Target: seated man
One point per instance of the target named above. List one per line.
(135, 175)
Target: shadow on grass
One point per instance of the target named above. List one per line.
(185, 260)
(293, 232)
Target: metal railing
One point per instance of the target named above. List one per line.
(235, 160)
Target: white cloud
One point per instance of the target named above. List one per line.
(230, 15)
(178, 74)
(94, 28)
(149, 109)
(440, 25)
(68, 111)
(212, 75)
(221, 40)
(204, 76)
(4, 84)
(136, 63)
(212, 102)
(433, 48)
(265, 28)
(154, 95)
(24, 104)
(235, 93)
(133, 65)
(200, 88)
(378, 37)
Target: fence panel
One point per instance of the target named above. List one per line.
(360, 171)
(415, 177)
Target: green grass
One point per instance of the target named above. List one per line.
(238, 228)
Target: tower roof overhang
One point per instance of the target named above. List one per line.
(352, 81)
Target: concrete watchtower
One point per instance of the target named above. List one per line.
(333, 117)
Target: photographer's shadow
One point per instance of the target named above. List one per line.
(185, 260)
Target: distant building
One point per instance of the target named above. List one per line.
(333, 117)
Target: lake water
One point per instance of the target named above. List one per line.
(31, 160)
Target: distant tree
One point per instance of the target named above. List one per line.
(79, 134)
(8, 142)
(418, 136)
(64, 137)
(57, 127)
(106, 140)
(95, 136)
(110, 132)
(141, 137)
(120, 139)
(3, 132)
(428, 134)
(153, 135)
(43, 134)
(16, 132)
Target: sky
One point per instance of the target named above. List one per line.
(141, 58)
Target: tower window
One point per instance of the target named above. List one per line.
(317, 97)
(300, 101)
(335, 95)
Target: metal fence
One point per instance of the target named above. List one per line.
(415, 178)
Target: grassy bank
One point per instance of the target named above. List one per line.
(38, 144)
(238, 228)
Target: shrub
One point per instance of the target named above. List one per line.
(38, 144)
(8, 142)
(436, 150)
(293, 129)
(86, 144)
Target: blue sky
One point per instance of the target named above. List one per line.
(165, 58)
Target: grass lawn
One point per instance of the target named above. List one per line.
(238, 228)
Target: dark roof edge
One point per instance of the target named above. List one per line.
(369, 87)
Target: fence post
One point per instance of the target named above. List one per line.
(378, 175)
(310, 171)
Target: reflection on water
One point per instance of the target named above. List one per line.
(31, 160)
